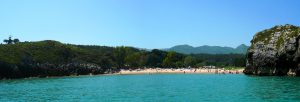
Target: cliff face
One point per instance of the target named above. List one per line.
(275, 51)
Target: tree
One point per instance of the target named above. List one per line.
(133, 60)
(155, 58)
(189, 61)
(10, 41)
(179, 64)
(239, 62)
(144, 57)
(16, 41)
(171, 59)
(6, 41)
(201, 64)
(119, 55)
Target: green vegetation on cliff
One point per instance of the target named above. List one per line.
(275, 51)
(52, 58)
(265, 36)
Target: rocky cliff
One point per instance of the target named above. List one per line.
(275, 51)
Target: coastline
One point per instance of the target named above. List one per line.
(180, 71)
(153, 71)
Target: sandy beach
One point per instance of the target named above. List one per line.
(184, 71)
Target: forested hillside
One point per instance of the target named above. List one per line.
(187, 49)
(52, 58)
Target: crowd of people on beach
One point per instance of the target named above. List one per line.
(181, 70)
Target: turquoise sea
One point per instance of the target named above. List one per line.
(152, 88)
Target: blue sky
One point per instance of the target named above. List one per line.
(144, 23)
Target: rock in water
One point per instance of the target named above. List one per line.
(275, 51)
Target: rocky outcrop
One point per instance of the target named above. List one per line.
(275, 51)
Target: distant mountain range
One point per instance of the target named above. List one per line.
(187, 49)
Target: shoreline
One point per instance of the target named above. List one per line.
(153, 71)
(179, 71)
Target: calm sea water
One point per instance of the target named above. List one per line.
(152, 88)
